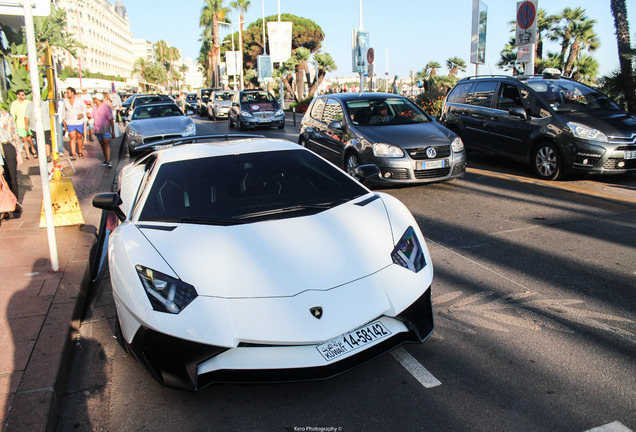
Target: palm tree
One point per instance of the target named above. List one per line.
(241, 6)
(583, 37)
(326, 64)
(212, 12)
(141, 66)
(454, 64)
(301, 55)
(431, 68)
(619, 12)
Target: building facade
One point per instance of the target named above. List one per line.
(103, 28)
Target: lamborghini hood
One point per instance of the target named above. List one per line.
(279, 258)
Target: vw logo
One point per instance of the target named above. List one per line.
(316, 312)
(431, 153)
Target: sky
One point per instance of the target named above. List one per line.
(405, 34)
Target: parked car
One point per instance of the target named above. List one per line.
(554, 124)
(203, 95)
(191, 101)
(256, 260)
(129, 105)
(155, 121)
(386, 130)
(219, 103)
(255, 108)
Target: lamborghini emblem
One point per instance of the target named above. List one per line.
(316, 312)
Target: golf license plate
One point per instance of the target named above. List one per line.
(441, 163)
(353, 340)
(630, 154)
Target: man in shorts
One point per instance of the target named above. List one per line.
(74, 118)
(18, 109)
(103, 116)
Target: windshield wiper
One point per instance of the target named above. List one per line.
(208, 221)
(294, 208)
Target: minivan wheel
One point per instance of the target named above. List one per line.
(229, 122)
(352, 161)
(547, 162)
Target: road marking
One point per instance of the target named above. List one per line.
(415, 368)
(611, 427)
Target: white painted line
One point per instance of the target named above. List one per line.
(611, 427)
(414, 367)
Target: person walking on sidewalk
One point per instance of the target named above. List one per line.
(74, 118)
(46, 124)
(10, 156)
(103, 116)
(17, 109)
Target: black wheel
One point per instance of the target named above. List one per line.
(240, 124)
(229, 122)
(302, 142)
(547, 162)
(352, 161)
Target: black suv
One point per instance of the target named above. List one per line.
(203, 95)
(554, 124)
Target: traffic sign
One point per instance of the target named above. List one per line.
(526, 15)
(526, 32)
(370, 55)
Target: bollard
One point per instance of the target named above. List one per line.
(294, 115)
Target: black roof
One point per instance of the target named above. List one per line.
(364, 95)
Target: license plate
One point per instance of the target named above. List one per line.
(442, 163)
(163, 147)
(630, 154)
(353, 340)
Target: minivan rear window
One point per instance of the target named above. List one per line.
(482, 94)
(458, 95)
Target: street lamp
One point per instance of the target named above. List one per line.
(233, 51)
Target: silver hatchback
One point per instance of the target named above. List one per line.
(385, 130)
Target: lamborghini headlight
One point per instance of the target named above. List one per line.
(408, 253)
(166, 294)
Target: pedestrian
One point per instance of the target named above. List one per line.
(10, 156)
(104, 126)
(17, 110)
(46, 124)
(114, 96)
(74, 118)
(181, 102)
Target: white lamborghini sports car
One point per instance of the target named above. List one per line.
(255, 260)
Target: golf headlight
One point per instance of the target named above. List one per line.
(585, 132)
(458, 145)
(166, 294)
(246, 113)
(387, 150)
(408, 252)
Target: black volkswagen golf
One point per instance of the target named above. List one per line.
(554, 124)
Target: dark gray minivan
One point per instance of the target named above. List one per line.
(554, 124)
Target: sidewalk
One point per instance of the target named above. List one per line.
(40, 309)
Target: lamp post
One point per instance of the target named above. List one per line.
(233, 51)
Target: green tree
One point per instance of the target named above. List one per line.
(455, 64)
(325, 64)
(212, 12)
(625, 52)
(241, 6)
(50, 29)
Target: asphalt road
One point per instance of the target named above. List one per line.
(535, 306)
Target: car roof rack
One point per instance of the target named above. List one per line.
(468, 78)
(173, 142)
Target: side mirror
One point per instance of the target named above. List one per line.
(335, 125)
(109, 201)
(236, 104)
(366, 172)
(518, 112)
